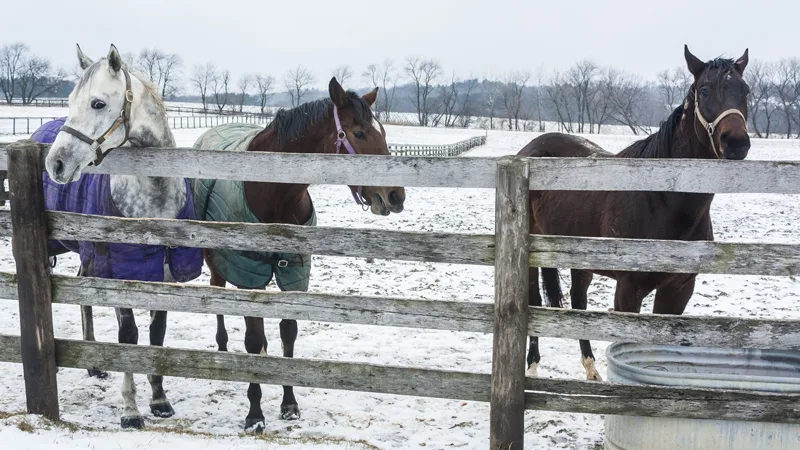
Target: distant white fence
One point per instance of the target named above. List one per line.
(437, 150)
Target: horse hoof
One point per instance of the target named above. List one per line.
(533, 371)
(254, 425)
(163, 409)
(136, 422)
(98, 374)
(591, 372)
(290, 412)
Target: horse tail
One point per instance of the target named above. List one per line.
(552, 287)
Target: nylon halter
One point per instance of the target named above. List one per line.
(123, 120)
(341, 139)
(712, 126)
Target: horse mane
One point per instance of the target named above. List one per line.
(292, 123)
(658, 144)
(150, 87)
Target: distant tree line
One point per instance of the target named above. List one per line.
(24, 77)
(581, 99)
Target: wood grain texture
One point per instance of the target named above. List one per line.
(545, 251)
(512, 219)
(697, 331)
(545, 394)
(581, 174)
(29, 245)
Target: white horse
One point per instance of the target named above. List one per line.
(121, 107)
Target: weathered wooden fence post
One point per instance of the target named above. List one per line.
(29, 244)
(512, 212)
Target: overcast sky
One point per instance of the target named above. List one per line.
(471, 37)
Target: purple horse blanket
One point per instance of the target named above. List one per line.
(91, 194)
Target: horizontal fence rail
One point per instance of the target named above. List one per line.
(581, 174)
(697, 331)
(543, 394)
(454, 248)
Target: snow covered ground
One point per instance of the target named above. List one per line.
(383, 421)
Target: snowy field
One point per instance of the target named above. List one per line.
(215, 410)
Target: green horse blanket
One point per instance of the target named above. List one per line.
(224, 201)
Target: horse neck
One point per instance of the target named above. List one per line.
(693, 207)
(143, 196)
(282, 202)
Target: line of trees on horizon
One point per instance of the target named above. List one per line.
(581, 99)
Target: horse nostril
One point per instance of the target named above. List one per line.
(59, 167)
(394, 198)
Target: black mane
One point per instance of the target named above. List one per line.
(658, 144)
(292, 123)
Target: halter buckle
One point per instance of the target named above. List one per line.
(129, 96)
(341, 135)
(283, 263)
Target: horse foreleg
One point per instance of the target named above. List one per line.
(87, 325)
(129, 334)
(254, 342)
(581, 279)
(289, 408)
(534, 299)
(159, 406)
(222, 334)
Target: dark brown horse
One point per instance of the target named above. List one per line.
(342, 123)
(710, 124)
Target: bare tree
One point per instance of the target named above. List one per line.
(582, 77)
(342, 74)
(162, 68)
(561, 99)
(492, 98)
(757, 77)
(539, 97)
(447, 104)
(244, 85)
(170, 69)
(297, 82)
(265, 84)
(148, 62)
(202, 77)
(466, 109)
(423, 74)
(673, 85)
(786, 76)
(219, 86)
(382, 76)
(512, 95)
(36, 78)
(627, 95)
(11, 60)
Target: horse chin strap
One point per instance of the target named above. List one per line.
(123, 120)
(341, 139)
(710, 127)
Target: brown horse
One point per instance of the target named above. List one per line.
(342, 123)
(710, 124)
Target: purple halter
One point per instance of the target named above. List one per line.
(341, 138)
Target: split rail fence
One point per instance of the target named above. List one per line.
(510, 250)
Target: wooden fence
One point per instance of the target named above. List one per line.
(455, 149)
(510, 250)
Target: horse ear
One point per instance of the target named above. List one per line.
(741, 63)
(114, 60)
(83, 60)
(696, 66)
(370, 96)
(338, 95)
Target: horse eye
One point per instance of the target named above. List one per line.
(360, 135)
(704, 92)
(98, 104)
